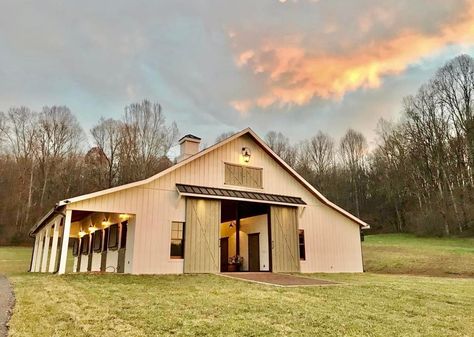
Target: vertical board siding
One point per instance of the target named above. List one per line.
(284, 227)
(201, 248)
(332, 241)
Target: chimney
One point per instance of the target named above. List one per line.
(189, 145)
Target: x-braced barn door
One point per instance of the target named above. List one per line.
(284, 229)
(201, 244)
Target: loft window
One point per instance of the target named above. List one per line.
(113, 237)
(177, 240)
(97, 241)
(301, 244)
(85, 245)
(245, 176)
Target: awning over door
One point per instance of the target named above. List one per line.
(222, 193)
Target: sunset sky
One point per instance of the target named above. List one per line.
(216, 66)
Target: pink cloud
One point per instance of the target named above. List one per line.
(293, 74)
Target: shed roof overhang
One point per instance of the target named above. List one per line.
(228, 194)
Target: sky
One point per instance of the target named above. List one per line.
(295, 66)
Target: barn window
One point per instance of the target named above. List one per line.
(75, 247)
(301, 243)
(123, 239)
(97, 241)
(246, 176)
(177, 240)
(113, 237)
(85, 245)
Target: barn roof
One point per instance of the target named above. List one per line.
(259, 141)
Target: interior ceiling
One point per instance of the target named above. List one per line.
(79, 215)
(246, 209)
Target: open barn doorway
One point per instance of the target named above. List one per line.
(245, 237)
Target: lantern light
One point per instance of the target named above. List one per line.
(246, 154)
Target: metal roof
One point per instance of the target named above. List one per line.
(215, 192)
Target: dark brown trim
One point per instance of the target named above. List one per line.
(270, 246)
(237, 230)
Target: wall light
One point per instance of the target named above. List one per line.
(92, 228)
(246, 154)
(81, 233)
(124, 216)
(105, 223)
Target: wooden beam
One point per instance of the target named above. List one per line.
(65, 242)
(54, 245)
(47, 237)
(40, 251)
(35, 253)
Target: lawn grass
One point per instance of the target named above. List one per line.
(408, 254)
(209, 305)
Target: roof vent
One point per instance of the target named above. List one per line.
(189, 145)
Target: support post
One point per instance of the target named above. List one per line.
(35, 253)
(54, 245)
(65, 242)
(40, 251)
(237, 231)
(44, 260)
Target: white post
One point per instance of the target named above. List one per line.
(40, 251)
(35, 253)
(47, 238)
(54, 245)
(64, 248)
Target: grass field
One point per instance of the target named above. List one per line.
(408, 254)
(367, 304)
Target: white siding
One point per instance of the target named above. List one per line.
(332, 240)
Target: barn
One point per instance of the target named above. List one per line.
(234, 206)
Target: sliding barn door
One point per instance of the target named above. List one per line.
(284, 229)
(201, 243)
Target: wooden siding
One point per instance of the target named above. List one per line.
(239, 175)
(284, 229)
(332, 240)
(201, 243)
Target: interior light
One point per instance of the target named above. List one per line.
(92, 228)
(124, 216)
(82, 233)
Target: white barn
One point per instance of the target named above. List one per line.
(233, 206)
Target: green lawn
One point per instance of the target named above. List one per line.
(361, 305)
(408, 254)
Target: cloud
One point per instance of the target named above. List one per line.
(292, 73)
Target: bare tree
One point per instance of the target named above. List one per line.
(108, 136)
(353, 149)
(147, 139)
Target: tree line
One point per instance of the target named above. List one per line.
(46, 156)
(418, 178)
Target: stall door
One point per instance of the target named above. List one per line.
(201, 243)
(284, 229)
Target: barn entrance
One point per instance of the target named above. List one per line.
(230, 231)
(244, 237)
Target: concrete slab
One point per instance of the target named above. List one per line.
(276, 279)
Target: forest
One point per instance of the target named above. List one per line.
(418, 178)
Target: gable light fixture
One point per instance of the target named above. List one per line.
(246, 154)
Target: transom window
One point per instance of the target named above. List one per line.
(177, 240)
